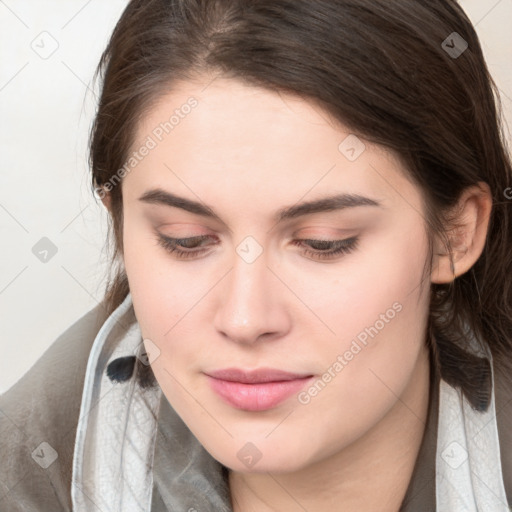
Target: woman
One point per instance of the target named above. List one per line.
(310, 304)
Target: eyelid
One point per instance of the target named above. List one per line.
(337, 247)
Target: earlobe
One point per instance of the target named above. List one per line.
(467, 240)
(105, 199)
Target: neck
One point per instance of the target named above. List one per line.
(372, 473)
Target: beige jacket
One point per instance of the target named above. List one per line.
(39, 416)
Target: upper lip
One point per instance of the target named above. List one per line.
(254, 376)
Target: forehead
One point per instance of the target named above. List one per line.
(212, 135)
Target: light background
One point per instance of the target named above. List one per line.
(46, 108)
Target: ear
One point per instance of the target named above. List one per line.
(104, 195)
(467, 240)
(106, 201)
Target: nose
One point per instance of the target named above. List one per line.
(251, 303)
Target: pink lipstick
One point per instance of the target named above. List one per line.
(256, 390)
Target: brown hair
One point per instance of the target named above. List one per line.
(382, 68)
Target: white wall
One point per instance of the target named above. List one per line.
(44, 182)
(46, 110)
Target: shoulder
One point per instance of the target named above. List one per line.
(38, 419)
(503, 405)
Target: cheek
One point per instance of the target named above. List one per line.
(378, 309)
(379, 278)
(164, 296)
(156, 290)
(381, 324)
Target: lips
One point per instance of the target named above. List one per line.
(255, 376)
(256, 390)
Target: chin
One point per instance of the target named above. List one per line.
(283, 463)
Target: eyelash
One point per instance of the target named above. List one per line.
(338, 247)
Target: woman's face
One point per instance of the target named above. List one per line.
(236, 167)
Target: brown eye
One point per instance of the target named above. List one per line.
(328, 249)
(176, 245)
(318, 249)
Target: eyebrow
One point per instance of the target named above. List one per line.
(325, 204)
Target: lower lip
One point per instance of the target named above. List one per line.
(256, 397)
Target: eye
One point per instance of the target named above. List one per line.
(173, 245)
(328, 249)
(323, 249)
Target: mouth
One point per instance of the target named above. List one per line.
(256, 390)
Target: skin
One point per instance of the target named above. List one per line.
(247, 152)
